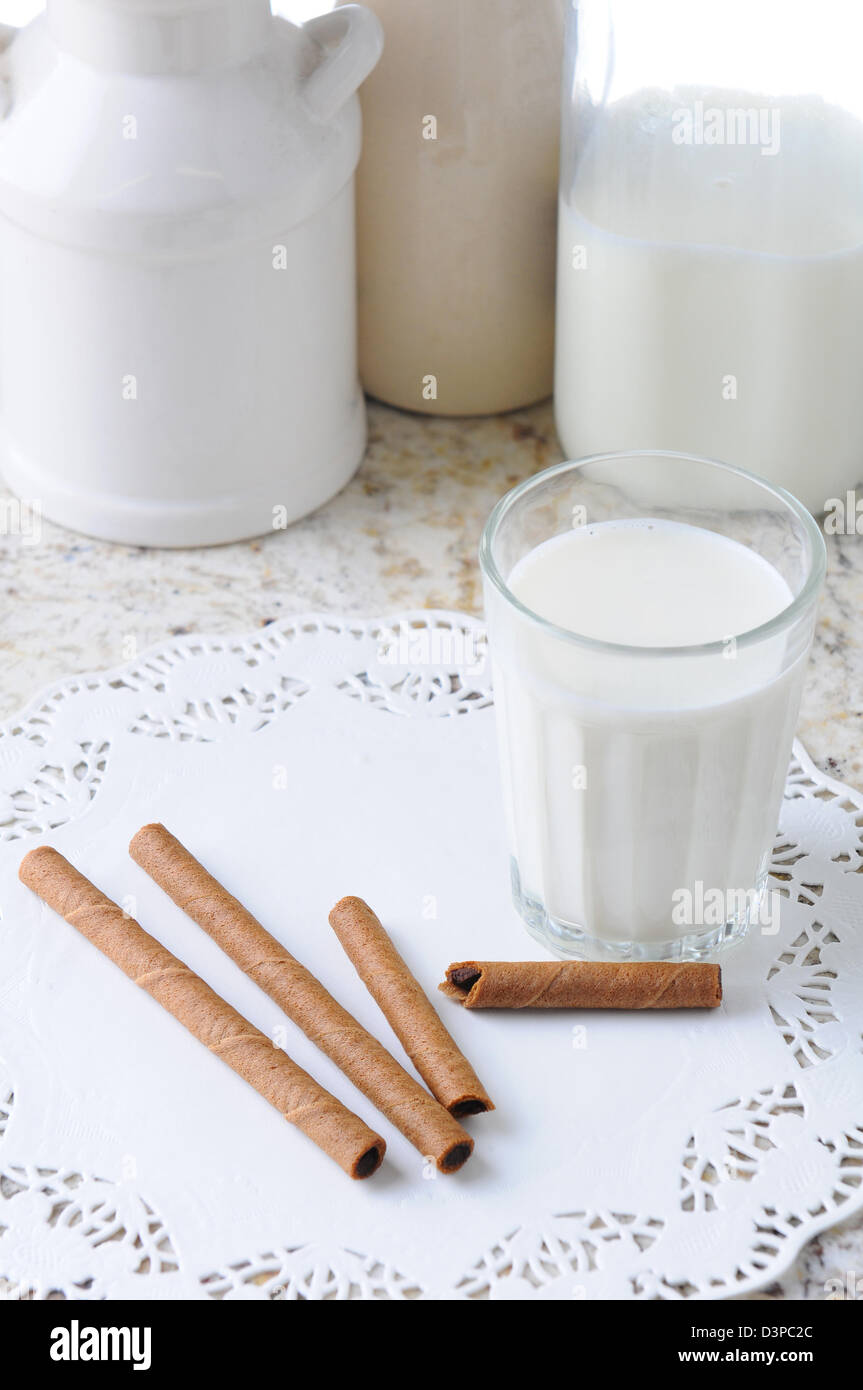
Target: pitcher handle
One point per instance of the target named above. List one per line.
(351, 40)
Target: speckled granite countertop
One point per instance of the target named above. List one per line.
(404, 534)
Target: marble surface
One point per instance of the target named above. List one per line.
(403, 534)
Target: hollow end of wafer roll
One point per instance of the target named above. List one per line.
(370, 1161)
(460, 980)
(456, 1156)
(470, 1105)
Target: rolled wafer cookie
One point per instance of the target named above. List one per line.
(551, 984)
(445, 1070)
(295, 1094)
(365, 1060)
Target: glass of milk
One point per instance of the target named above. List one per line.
(710, 236)
(650, 616)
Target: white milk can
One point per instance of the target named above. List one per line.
(177, 269)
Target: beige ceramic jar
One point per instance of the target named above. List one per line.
(457, 191)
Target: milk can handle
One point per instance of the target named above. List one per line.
(351, 39)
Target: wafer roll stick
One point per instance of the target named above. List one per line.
(551, 984)
(298, 1097)
(363, 1059)
(447, 1073)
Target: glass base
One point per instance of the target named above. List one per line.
(571, 943)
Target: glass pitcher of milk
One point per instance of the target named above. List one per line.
(710, 247)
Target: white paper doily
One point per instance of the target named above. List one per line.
(639, 1156)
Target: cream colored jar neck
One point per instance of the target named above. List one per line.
(160, 36)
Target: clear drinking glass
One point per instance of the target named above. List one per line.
(642, 784)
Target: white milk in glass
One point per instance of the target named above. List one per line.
(630, 776)
(709, 295)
